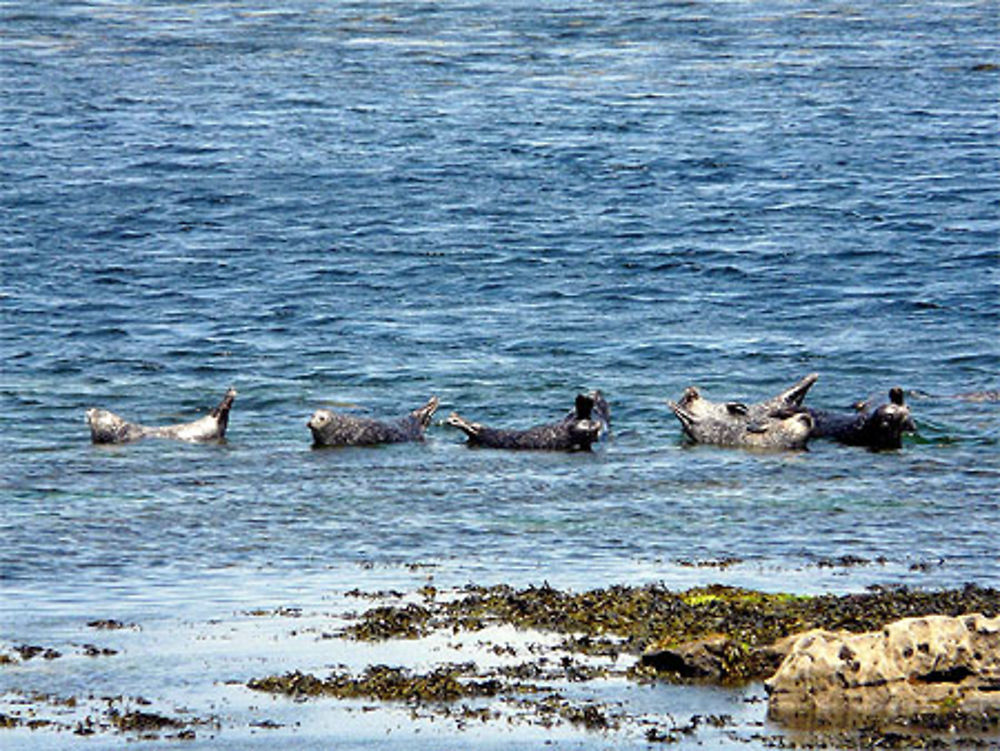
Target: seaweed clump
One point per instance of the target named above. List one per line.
(443, 684)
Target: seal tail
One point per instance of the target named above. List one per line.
(792, 397)
(425, 413)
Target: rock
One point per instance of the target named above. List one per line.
(932, 671)
(715, 659)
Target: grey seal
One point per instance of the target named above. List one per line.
(337, 429)
(776, 423)
(107, 427)
(577, 431)
(878, 426)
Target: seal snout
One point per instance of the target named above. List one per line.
(687, 419)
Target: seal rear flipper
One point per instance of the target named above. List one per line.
(794, 395)
(424, 414)
(221, 413)
(226, 404)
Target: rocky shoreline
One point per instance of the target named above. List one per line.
(575, 642)
(717, 634)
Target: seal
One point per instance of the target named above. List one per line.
(878, 427)
(776, 423)
(107, 427)
(578, 431)
(337, 429)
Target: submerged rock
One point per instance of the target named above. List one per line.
(932, 671)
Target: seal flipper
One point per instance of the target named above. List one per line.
(793, 396)
(226, 404)
(221, 413)
(584, 406)
(424, 414)
(737, 408)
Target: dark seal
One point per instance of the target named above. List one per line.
(776, 423)
(336, 429)
(578, 431)
(879, 428)
(107, 427)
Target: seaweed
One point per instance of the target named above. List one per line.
(632, 620)
(443, 684)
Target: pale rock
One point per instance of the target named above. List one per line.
(910, 672)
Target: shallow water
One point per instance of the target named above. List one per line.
(361, 205)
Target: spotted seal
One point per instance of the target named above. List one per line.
(107, 427)
(776, 423)
(878, 426)
(337, 429)
(577, 431)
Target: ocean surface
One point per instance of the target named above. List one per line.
(357, 205)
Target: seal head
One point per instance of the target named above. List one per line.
(879, 429)
(107, 427)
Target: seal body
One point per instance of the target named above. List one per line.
(576, 432)
(107, 427)
(878, 428)
(337, 429)
(776, 423)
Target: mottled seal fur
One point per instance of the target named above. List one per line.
(576, 432)
(107, 427)
(776, 423)
(877, 427)
(336, 429)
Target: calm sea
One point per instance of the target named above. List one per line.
(361, 204)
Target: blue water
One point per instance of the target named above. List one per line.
(501, 203)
